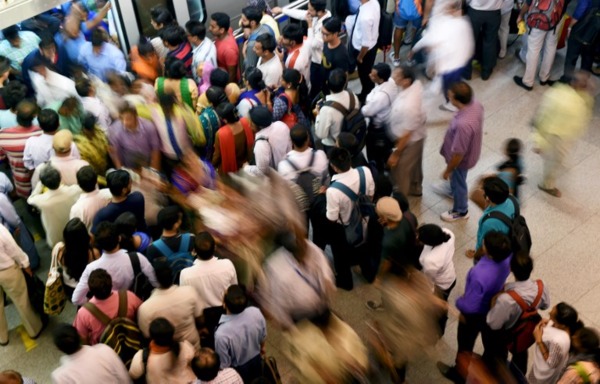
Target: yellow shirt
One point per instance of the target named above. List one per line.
(94, 150)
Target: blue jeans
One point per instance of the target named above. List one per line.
(458, 183)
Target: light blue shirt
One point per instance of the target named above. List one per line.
(493, 224)
(353, 6)
(8, 214)
(8, 119)
(238, 338)
(119, 267)
(110, 58)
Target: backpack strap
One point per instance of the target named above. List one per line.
(122, 303)
(362, 188)
(538, 298)
(145, 355)
(97, 313)
(345, 190)
(515, 205)
(524, 306)
(352, 101)
(135, 263)
(337, 106)
(499, 216)
(310, 163)
(184, 245)
(163, 248)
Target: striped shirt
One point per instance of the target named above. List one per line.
(225, 376)
(184, 53)
(12, 145)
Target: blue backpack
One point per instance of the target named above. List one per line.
(177, 260)
(410, 10)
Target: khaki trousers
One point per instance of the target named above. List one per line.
(12, 282)
(407, 175)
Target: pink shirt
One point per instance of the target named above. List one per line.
(90, 328)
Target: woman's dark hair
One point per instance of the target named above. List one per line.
(76, 251)
(568, 316)
(216, 96)
(4, 65)
(89, 121)
(227, 111)
(254, 77)
(318, 5)
(167, 103)
(162, 333)
(432, 235)
(161, 15)
(145, 47)
(126, 226)
(589, 343)
(296, 81)
(513, 149)
(175, 68)
(219, 78)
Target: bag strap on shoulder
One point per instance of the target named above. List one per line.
(337, 106)
(499, 216)
(163, 248)
(524, 306)
(516, 205)
(345, 190)
(97, 313)
(310, 163)
(184, 246)
(352, 106)
(538, 298)
(122, 303)
(362, 188)
(135, 263)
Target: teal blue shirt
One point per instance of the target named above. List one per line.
(493, 224)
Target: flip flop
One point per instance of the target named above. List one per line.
(551, 191)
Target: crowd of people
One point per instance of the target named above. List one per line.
(188, 192)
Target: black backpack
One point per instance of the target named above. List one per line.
(362, 209)
(141, 284)
(353, 122)
(307, 180)
(518, 230)
(386, 30)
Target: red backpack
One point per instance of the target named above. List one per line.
(290, 118)
(545, 14)
(521, 334)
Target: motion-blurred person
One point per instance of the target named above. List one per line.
(234, 141)
(70, 113)
(505, 314)
(407, 129)
(12, 282)
(552, 344)
(241, 335)
(104, 301)
(12, 145)
(74, 253)
(17, 45)
(39, 149)
(449, 44)
(461, 149)
(67, 165)
(174, 123)
(583, 362)
(377, 109)
(206, 367)
(272, 141)
(145, 61)
(12, 94)
(167, 360)
(316, 13)
(362, 47)
(92, 104)
(484, 280)
(91, 199)
(562, 117)
(407, 327)
(134, 141)
(92, 144)
(54, 204)
(210, 276)
(46, 53)
(96, 364)
(116, 261)
(99, 57)
(437, 262)
(485, 18)
(299, 283)
(177, 84)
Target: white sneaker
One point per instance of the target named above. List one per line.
(397, 62)
(443, 189)
(447, 106)
(451, 216)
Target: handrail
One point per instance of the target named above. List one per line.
(16, 11)
(238, 33)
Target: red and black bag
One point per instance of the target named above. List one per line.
(521, 334)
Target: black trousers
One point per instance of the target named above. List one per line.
(485, 28)
(379, 146)
(444, 294)
(575, 48)
(364, 69)
(316, 80)
(496, 351)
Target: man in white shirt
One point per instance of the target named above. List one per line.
(12, 281)
(328, 124)
(203, 49)
(209, 276)
(297, 51)
(314, 16)
(407, 128)
(377, 109)
(91, 200)
(53, 204)
(272, 141)
(114, 260)
(364, 32)
(84, 363)
(179, 305)
(268, 62)
(38, 149)
(300, 156)
(66, 164)
(92, 104)
(339, 210)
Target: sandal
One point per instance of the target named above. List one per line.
(551, 191)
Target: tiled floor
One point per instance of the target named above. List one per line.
(565, 231)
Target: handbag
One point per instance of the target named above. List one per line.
(54, 293)
(35, 292)
(270, 373)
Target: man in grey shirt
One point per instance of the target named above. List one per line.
(505, 312)
(250, 21)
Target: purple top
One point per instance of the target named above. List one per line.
(134, 148)
(484, 280)
(465, 136)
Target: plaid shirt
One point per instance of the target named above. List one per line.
(29, 42)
